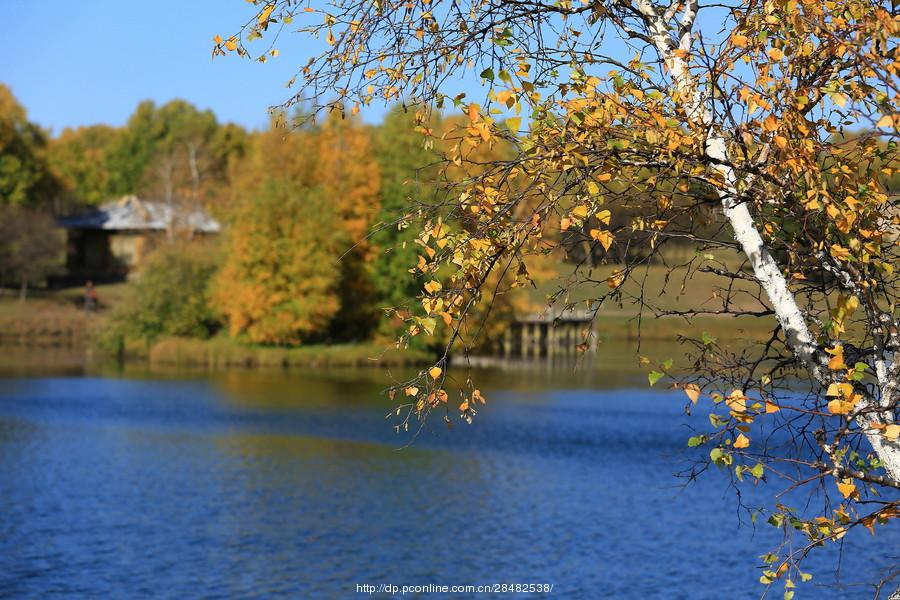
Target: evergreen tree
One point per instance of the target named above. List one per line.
(405, 180)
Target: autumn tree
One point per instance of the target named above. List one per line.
(279, 283)
(347, 176)
(82, 163)
(31, 247)
(674, 109)
(24, 176)
(174, 153)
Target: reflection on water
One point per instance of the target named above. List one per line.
(271, 483)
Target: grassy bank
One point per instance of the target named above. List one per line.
(56, 319)
(613, 328)
(225, 353)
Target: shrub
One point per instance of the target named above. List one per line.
(170, 296)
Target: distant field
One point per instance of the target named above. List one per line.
(661, 289)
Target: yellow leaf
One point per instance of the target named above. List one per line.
(836, 363)
(772, 408)
(218, 39)
(839, 407)
(264, 15)
(464, 406)
(411, 391)
(603, 216)
(775, 53)
(839, 252)
(693, 392)
(435, 372)
(782, 143)
(892, 432)
(231, 44)
(592, 188)
(514, 123)
(472, 111)
(846, 487)
(604, 237)
(742, 441)
(476, 395)
(739, 40)
(580, 211)
(770, 123)
(433, 286)
(604, 177)
(736, 401)
(885, 121)
(565, 223)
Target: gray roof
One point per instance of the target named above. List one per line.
(131, 213)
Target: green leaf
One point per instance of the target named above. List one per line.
(428, 324)
(716, 421)
(720, 457)
(758, 470)
(653, 377)
(708, 339)
(696, 440)
(487, 74)
(804, 577)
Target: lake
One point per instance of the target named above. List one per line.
(275, 484)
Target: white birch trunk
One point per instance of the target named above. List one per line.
(765, 269)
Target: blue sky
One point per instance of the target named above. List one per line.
(80, 62)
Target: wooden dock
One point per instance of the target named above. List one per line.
(550, 335)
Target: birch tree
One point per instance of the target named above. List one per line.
(780, 115)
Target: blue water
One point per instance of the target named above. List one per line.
(276, 485)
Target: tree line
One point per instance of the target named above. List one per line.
(315, 244)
